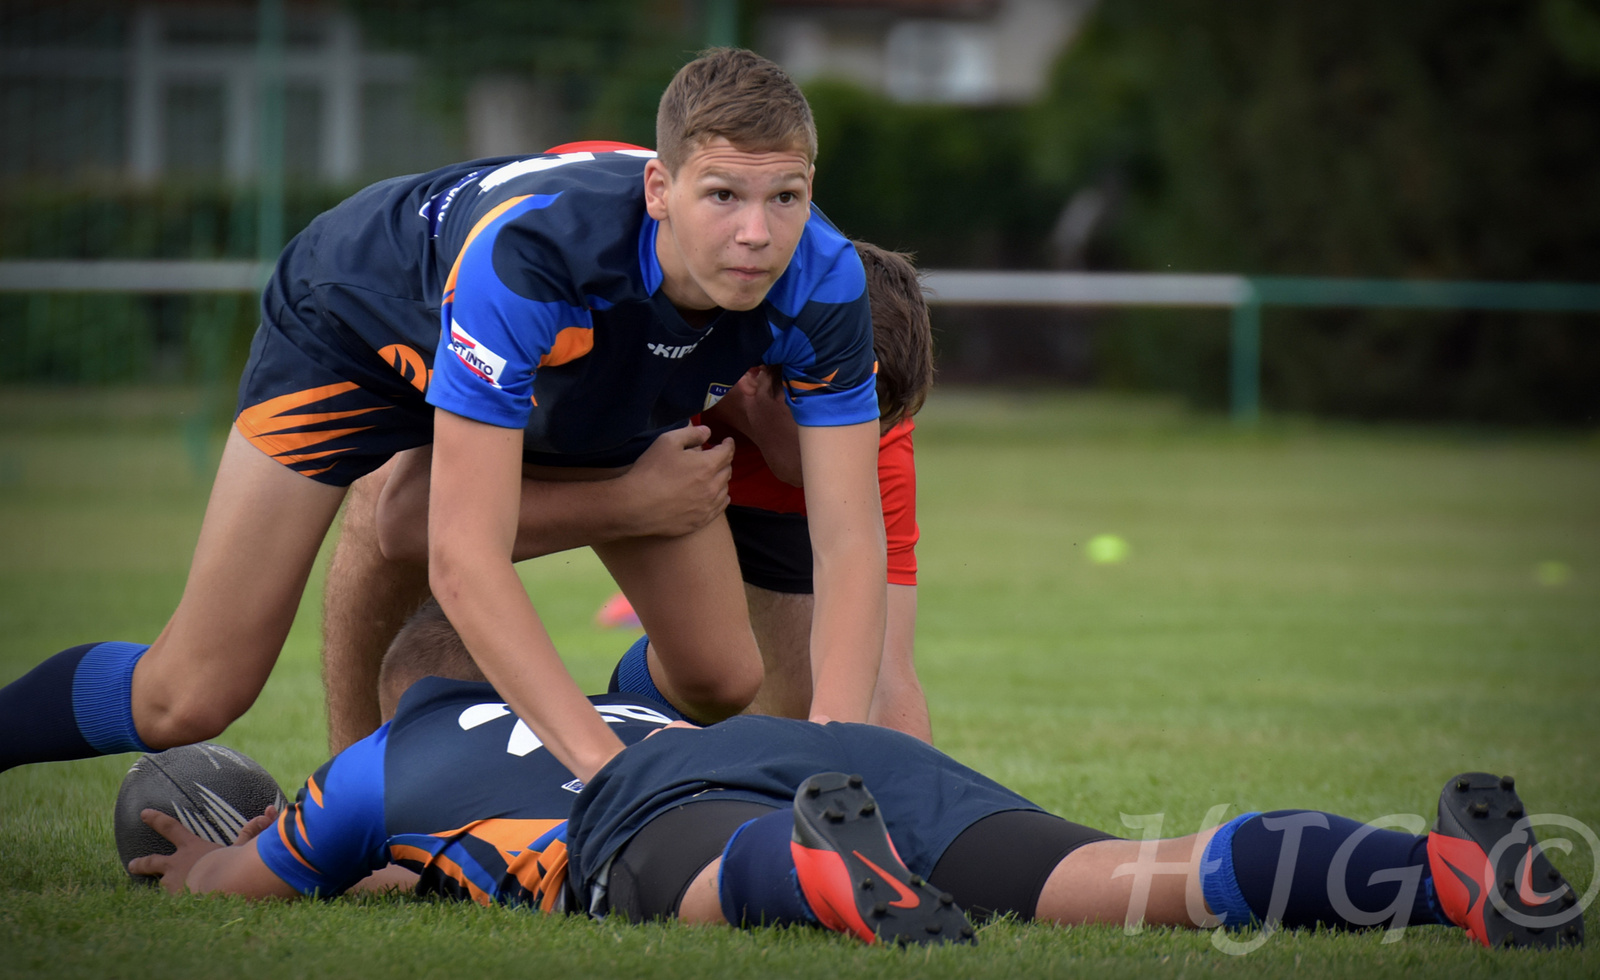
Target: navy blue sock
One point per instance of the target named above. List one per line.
(757, 883)
(1385, 881)
(632, 674)
(75, 705)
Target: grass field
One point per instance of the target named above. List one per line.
(1311, 615)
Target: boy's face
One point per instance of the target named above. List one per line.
(730, 221)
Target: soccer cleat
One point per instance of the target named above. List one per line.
(1490, 874)
(852, 877)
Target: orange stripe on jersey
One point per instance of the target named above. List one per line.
(320, 469)
(288, 842)
(554, 860)
(406, 852)
(453, 870)
(808, 386)
(510, 837)
(483, 222)
(314, 790)
(300, 825)
(571, 343)
(265, 424)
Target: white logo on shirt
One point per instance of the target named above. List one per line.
(479, 359)
(672, 353)
(523, 741)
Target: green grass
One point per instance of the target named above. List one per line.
(1312, 615)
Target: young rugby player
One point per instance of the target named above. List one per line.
(766, 514)
(733, 823)
(636, 289)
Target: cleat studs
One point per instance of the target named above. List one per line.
(880, 908)
(916, 881)
(855, 781)
(1568, 900)
(934, 928)
(1480, 809)
(833, 813)
(1553, 874)
(1507, 782)
(1462, 785)
(1514, 812)
(867, 883)
(966, 932)
(1508, 886)
(869, 808)
(945, 898)
(813, 789)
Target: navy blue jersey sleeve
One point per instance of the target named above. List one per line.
(333, 835)
(822, 331)
(493, 338)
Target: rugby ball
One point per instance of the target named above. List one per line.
(212, 790)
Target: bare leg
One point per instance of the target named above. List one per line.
(701, 906)
(364, 603)
(263, 526)
(1087, 887)
(781, 622)
(688, 595)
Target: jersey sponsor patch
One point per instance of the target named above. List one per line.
(479, 359)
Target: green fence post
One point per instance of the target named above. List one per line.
(1244, 359)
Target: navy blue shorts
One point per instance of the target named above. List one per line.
(339, 366)
(927, 798)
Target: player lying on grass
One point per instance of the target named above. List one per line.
(766, 514)
(582, 304)
(749, 821)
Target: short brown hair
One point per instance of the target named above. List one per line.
(902, 334)
(738, 95)
(426, 646)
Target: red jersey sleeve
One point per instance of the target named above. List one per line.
(753, 485)
(897, 481)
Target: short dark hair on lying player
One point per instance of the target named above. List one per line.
(902, 334)
(426, 646)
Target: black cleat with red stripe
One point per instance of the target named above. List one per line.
(852, 877)
(1490, 873)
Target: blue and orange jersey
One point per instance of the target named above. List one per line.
(554, 320)
(456, 788)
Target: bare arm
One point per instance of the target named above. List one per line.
(755, 407)
(472, 521)
(848, 554)
(673, 489)
(203, 867)
(899, 702)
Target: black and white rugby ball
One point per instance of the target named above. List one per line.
(212, 790)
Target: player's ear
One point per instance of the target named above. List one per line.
(657, 180)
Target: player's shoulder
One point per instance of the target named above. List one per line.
(565, 227)
(824, 269)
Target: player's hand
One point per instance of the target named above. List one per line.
(253, 829)
(172, 869)
(680, 723)
(678, 487)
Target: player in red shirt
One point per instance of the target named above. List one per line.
(767, 506)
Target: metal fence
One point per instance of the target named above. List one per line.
(1243, 296)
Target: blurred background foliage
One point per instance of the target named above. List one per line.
(1431, 139)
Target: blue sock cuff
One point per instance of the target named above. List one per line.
(725, 898)
(1218, 882)
(757, 883)
(633, 673)
(102, 697)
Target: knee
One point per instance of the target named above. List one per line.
(715, 694)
